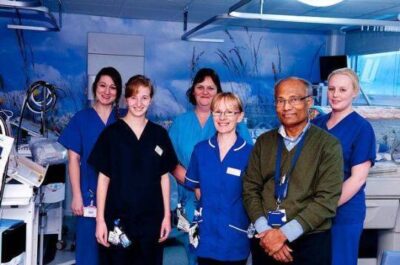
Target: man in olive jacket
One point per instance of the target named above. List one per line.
(292, 184)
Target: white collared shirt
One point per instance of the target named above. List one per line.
(291, 142)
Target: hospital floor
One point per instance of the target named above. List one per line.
(173, 255)
(174, 252)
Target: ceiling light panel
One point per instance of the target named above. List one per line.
(320, 3)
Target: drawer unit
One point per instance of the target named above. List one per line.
(381, 214)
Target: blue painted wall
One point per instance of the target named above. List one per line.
(249, 62)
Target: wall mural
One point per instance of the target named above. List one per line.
(248, 62)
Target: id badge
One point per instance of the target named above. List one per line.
(90, 211)
(113, 238)
(276, 218)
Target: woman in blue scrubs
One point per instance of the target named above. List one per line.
(190, 128)
(133, 157)
(358, 145)
(79, 138)
(215, 171)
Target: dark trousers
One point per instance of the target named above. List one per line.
(309, 249)
(141, 252)
(204, 261)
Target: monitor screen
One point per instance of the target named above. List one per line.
(327, 64)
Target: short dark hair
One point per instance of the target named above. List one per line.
(132, 86)
(199, 77)
(114, 75)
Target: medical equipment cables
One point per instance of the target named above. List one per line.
(39, 99)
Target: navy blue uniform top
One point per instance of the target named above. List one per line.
(223, 231)
(358, 145)
(135, 167)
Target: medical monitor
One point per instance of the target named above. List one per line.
(327, 64)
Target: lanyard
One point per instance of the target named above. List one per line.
(282, 183)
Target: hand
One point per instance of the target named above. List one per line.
(179, 173)
(261, 236)
(102, 233)
(284, 254)
(197, 193)
(77, 205)
(271, 240)
(165, 229)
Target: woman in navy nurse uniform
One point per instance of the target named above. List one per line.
(215, 169)
(190, 128)
(79, 138)
(133, 157)
(358, 144)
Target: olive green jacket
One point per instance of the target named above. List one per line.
(314, 186)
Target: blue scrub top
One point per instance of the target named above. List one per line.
(357, 138)
(186, 131)
(223, 231)
(80, 135)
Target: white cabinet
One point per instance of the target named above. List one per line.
(381, 214)
(383, 208)
(123, 52)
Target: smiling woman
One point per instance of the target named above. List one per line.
(133, 157)
(215, 172)
(79, 138)
(227, 111)
(190, 128)
(357, 139)
(138, 93)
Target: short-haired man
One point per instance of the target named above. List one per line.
(293, 182)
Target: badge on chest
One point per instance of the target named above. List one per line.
(158, 150)
(233, 171)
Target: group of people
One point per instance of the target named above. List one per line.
(300, 189)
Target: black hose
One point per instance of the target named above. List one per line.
(45, 108)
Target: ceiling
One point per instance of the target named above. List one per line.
(201, 10)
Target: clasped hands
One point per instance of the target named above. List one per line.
(273, 241)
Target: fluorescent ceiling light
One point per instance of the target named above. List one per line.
(35, 28)
(317, 20)
(205, 40)
(320, 3)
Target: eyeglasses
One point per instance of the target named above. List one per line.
(280, 102)
(226, 113)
